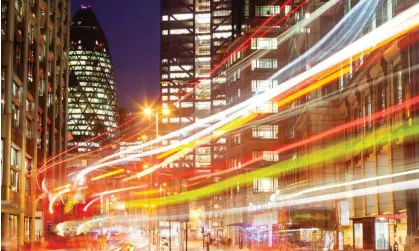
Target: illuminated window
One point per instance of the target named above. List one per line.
(264, 185)
(179, 31)
(14, 157)
(266, 11)
(203, 105)
(266, 155)
(264, 43)
(186, 104)
(14, 180)
(264, 63)
(287, 9)
(265, 131)
(236, 138)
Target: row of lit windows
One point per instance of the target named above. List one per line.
(265, 63)
(264, 43)
(265, 132)
(263, 85)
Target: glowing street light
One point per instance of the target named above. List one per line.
(148, 111)
(165, 111)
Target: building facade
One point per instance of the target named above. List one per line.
(384, 78)
(93, 105)
(194, 35)
(34, 89)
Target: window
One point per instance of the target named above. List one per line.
(399, 87)
(16, 115)
(287, 9)
(266, 155)
(237, 138)
(186, 104)
(264, 43)
(368, 111)
(263, 85)
(358, 236)
(29, 129)
(14, 180)
(382, 239)
(266, 11)
(28, 165)
(264, 185)
(14, 157)
(264, 64)
(16, 91)
(265, 132)
(28, 187)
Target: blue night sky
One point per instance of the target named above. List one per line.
(132, 28)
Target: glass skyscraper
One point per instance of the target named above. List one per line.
(92, 103)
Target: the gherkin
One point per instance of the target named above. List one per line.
(92, 103)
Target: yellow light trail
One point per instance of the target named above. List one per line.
(107, 174)
(335, 151)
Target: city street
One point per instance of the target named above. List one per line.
(210, 125)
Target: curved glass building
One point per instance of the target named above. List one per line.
(92, 103)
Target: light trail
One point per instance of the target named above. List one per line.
(107, 174)
(330, 132)
(55, 197)
(90, 203)
(350, 183)
(396, 26)
(380, 189)
(303, 23)
(319, 156)
(62, 187)
(118, 190)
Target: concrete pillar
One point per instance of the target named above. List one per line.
(5, 234)
(20, 229)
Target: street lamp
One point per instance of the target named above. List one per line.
(165, 111)
(149, 112)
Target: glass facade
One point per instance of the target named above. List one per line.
(92, 102)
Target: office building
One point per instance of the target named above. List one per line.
(93, 105)
(35, 42)
(194, 34)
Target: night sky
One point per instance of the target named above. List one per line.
(132, 28)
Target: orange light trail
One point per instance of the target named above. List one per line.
(118, 190)
(325, 134)
(107, 174)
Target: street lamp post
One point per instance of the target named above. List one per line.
(149, 112)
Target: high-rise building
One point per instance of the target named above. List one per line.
(35, 42)
(192, 42)
(92, 101)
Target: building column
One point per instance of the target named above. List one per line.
(20, 229)
(5, 234)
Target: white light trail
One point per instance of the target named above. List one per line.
(90, 203)
(55, 197)
(400, 23)
(394, 187)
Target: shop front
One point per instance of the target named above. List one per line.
(303, 228)
(371, 233)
